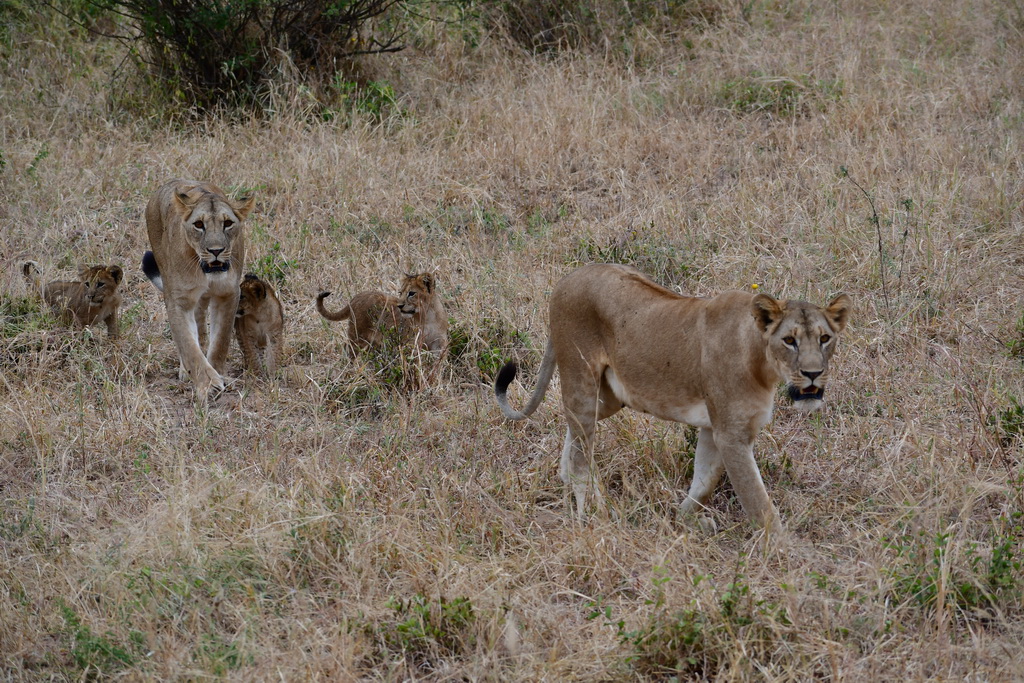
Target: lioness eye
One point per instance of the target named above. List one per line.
(789, 341)
(825, 338)
(199, 225)
(228, 224)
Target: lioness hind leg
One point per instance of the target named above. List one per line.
(575, 469)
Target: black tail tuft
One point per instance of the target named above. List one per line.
(149, 266)
(505, 377)
(322, 295)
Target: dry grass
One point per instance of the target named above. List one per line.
(329, 526)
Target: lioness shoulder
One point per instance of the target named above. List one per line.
(92, 299)
(416, 315)
(259, 325)
(618, 339)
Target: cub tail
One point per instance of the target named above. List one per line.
(343, 314)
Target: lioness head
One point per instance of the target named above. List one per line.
(210, 224)
(100, 282)
(252, 293)
(415, 293)
(801, 338)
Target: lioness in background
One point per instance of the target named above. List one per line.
(197, 261)
(93, 299)
(259, 325)
(416, 315)
(621, 340)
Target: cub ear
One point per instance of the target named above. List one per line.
(765, 310)
(243, 206)
(428, 282)
(259, 290)
(838, 312)
(116, 273)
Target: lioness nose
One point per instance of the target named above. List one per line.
(810, 375)
(215, 252)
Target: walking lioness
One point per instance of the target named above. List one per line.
(621, 340)
(197, 261)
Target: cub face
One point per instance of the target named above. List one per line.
(211, 226)
(801, 339)
(100, 282)
(252, 294)
(414, 293)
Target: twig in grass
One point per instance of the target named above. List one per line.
(845, 173)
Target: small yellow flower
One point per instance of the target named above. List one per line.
(754, 286)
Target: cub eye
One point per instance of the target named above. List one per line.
(825, 338)
(228, 223)
(100, 284)
(412, 294)
(789, 341)
(199, 225)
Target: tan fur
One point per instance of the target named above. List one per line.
(259, 325)
(416, 315)
(197, 236)
(618, 339)
(92, 300)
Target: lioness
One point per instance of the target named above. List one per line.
(416, 314)
(259, 325)
(621, 340)
(92, 300)
(198, 257)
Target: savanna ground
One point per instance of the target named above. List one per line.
(339, 523)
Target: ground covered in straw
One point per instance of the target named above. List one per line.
(376, 517)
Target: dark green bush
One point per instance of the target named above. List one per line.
(216, 52)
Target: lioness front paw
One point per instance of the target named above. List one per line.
(207, 379)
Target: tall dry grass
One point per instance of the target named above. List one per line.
(326, 525)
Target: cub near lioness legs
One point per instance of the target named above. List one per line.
(259, 326)
(93, 299)
(620, 340)
(416, 314)
(198, 241)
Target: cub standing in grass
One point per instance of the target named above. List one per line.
(92, 300)
(259, 325)
(416, 314)
(196, 233)
(621, 340)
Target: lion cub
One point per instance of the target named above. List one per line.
(416, 315)
(93, 299)
(259, 325)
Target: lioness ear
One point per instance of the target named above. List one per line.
(839, 311)
(765, 310)
(189, 197)
(116, 273)
(243, 206)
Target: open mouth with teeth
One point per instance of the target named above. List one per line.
(214, 266)
(811, 393)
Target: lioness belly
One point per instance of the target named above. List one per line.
(675, 408)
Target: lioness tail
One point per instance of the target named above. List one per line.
(508, 373)
(152, 270)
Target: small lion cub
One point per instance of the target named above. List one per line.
(259, 325)
(417, 315)
(93, 299)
